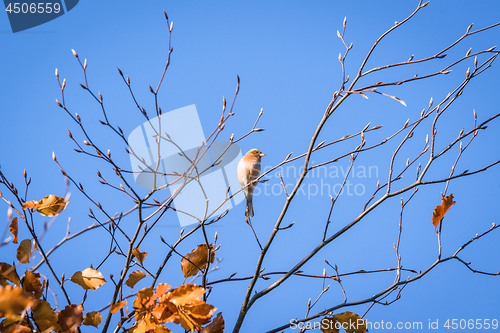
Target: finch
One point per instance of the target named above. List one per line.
(248, 171)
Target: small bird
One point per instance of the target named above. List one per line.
(248, 171)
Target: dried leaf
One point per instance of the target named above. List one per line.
(134, 277)
(7, 272)
(166, 312)
(187, 322)
(142, 302)
(48, 206)
(45, 317)
(161, 289)
(216, 326)
(30, 204)
(24, 251)
(198, 257)
(32, 284)
(329, 325)
(139, 255)
(182, 305)
(439, 212)
(92, 319)
(89, 278)
(13, 228)
(186, 294)
(349, 321)
(13, 301)
(199, 312)
(117, 306)
(71, 317)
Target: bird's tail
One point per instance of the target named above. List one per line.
(249, 209)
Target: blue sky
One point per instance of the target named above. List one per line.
(285, 53)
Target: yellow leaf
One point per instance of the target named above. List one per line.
(13, 228)
(92, 319)
(216, 326)
(117, 306)
(89, 278)
(439, 212)
(71, 317)
(32, 284)
(134, 277)
(24, 251)
(7, 272)
(13, 301)
(48, 206)
(139, 255)
(45, 317)
(198, 259)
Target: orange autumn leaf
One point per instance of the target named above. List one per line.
(166, 312)
(161, 289)
(13, 228)
(186, 294)
(182, 305)
(141, 304)
(48, 206)
(200, 312)
(117, 306)
(31, 284)
(71, 317)
(148, 326)
(45, 317)
(439, 212)
(13, 301)
(143, 297)
(7, 272)
(24, 251)
(216, 326)
(187, 322)
(30, 204)
(92, 319)
(139, 255)
(196, 260)
(134, 277)
(162, 329)
(193, 315)
(89, 278)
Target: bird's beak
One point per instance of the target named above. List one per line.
(262, 154)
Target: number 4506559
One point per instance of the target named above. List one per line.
(471, 324)
(33, 8)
